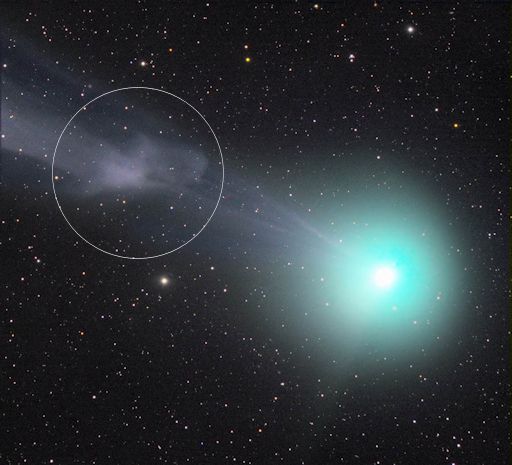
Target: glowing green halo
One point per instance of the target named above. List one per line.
(394, 278)
(386, 279)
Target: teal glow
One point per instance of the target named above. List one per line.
(394, 277)
(385, 281)
(381, 279)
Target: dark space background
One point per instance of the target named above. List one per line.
(104, 363)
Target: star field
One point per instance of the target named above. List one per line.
(359, 139)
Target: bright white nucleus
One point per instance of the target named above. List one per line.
(385, 277)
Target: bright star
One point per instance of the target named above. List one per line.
(411, 29)
(164, 280)
(385, 277)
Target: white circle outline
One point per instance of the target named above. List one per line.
(194, 235)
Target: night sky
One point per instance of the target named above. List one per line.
(335, 177)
